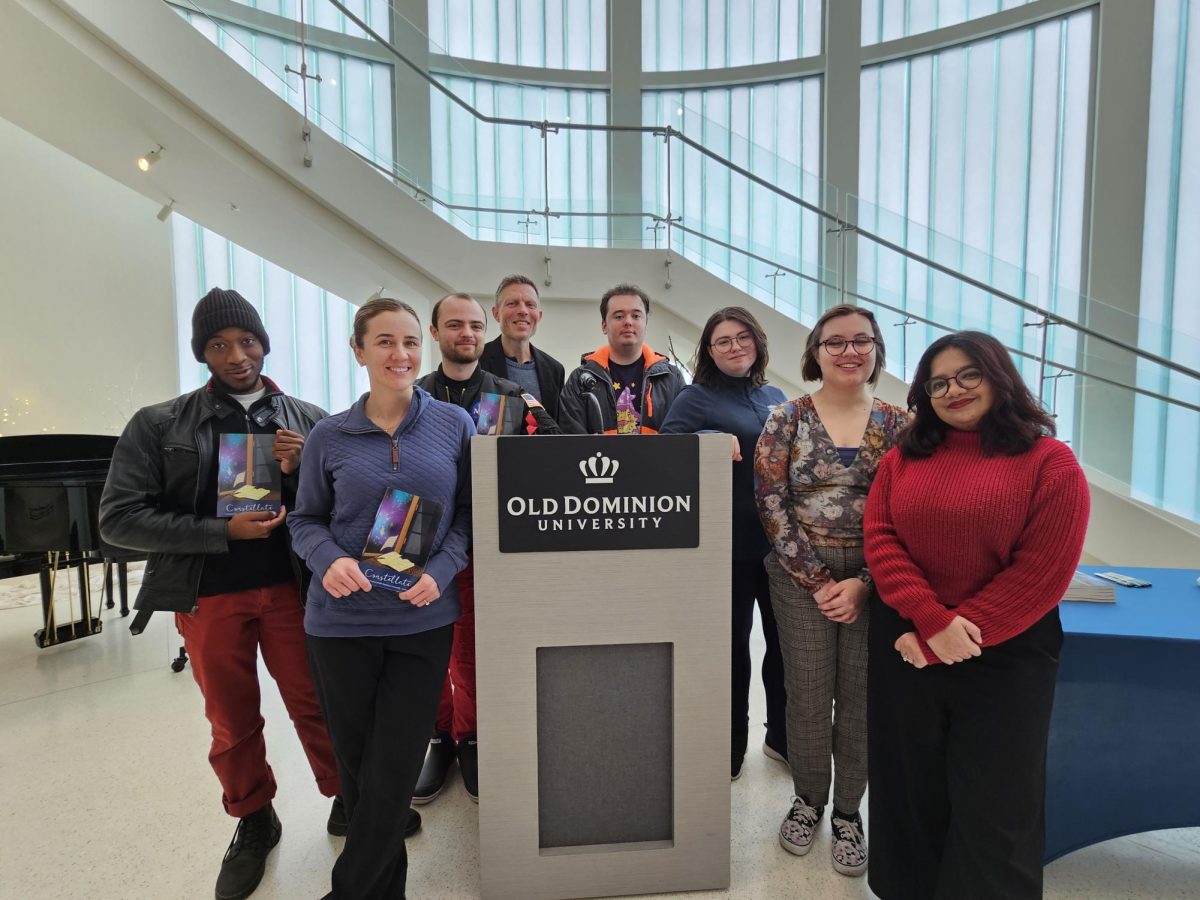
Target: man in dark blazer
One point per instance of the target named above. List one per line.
(511, 355)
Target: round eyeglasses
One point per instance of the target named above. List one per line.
(725, 344)
(966, 379)
(836, 346)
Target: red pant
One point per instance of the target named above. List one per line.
(456, 711)
(222, 638)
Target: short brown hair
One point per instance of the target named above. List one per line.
(704, 368)
(620, 290)
(810, 369)
(371, 309)
(509, 280)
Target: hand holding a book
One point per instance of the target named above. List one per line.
(344, 577)
(424, 592)
(287, 447)
(254, 525)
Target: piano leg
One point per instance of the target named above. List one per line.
(123, 584)
(108, 585)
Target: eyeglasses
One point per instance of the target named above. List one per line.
(966, 379)
(725, 344)
(836, 346)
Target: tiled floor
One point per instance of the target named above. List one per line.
(106, 793)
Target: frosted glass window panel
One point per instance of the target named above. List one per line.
(1164, 465)
(975, 156)
(500, 167)
(309, 328)
(555, 34)
(741, 123)
(887, 20)
(352, 102)
(685, 35)
(324, 15)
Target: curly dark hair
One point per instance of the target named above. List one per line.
(704, 368)
(810, 369)
(1013, 424)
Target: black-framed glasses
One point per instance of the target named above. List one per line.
(725, 344)
(836, 346)
(966, 379)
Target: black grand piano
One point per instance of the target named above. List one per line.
(50, 486)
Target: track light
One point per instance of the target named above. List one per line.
(165, 212)
(145, 162)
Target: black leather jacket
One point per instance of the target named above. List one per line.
(156, 483)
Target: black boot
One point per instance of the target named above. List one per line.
(438, 761)
(468, 765)
(246, 859)
(412, 824)
(337, 823)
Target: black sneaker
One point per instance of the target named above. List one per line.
(849, 844)
(468, 765)
(775, 749)
(438, 760)
(338, 823)
(246, 859)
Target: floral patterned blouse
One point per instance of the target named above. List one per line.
(805, 495)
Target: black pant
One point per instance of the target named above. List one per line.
(750, 585)
(957, 761)
(380, 696)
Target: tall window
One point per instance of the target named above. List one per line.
(715, 34)
(375, 13)
(1164, 469)
(550, 34)
(505, 166)
(977, 157)
(773, 130)
(886, 20)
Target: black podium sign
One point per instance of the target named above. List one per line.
(630, 492)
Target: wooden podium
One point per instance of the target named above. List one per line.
(602, 578)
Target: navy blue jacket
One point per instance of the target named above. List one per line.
(734, 407)
(347, 463)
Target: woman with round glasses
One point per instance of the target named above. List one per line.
(814, 464)
(729, 393)
(974, 528)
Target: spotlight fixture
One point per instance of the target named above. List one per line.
(145, 162)
(165, 212)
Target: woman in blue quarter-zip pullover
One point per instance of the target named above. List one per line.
(379, 657)
(729, 393)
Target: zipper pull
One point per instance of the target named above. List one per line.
(395, 453)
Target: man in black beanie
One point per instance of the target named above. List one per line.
(229, 577)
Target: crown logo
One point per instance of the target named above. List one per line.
(598, 469)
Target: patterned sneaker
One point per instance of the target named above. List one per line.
(799, 826)
(849, 844)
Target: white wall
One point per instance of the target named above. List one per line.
(88, 323)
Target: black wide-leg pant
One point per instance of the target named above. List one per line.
(380, 696)
(751, 586)
(957, 763)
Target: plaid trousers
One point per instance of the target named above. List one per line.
(825, 675)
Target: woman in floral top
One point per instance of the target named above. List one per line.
(813, 466)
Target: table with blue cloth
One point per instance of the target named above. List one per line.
(1124, 753)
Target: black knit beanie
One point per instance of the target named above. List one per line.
(220, 309)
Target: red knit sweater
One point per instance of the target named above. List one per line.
(994, 539)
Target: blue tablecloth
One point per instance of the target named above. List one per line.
(1124, 753)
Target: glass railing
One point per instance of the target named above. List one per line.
(1107, 375)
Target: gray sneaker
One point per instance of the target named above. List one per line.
(849, 844)
(799, 826)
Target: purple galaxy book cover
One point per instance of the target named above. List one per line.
(400, 541)
(490, 419)
(248, 477)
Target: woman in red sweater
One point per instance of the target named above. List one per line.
(973, 528)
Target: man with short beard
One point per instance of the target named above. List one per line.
(233, 583)
(512, 355)
(458, 323)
